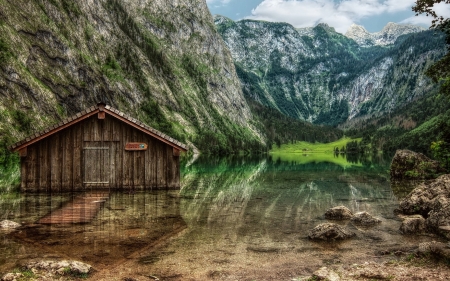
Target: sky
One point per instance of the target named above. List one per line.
(340, 14)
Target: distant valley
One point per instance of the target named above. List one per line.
(324, 77)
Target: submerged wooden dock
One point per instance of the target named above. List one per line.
(81, 209)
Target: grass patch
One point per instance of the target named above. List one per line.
(112, 70)
(305, 152)
(26, 273)
(303, 147)
(5, 52)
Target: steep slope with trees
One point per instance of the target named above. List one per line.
(162, 62)
(324, 77)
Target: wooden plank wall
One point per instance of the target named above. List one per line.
(56, 163)
(77, 157)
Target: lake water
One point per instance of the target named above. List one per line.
(237, 218)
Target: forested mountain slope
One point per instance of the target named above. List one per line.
(160, 61)
(324, 77)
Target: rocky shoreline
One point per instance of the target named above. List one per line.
(50, 270)
(425, 210)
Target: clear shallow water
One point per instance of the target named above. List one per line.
(242, 218)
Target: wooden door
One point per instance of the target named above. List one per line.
(97, 164)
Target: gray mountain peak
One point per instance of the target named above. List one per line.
(387, 36)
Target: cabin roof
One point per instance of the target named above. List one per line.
(90, 112)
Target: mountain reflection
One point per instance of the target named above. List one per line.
(255, 197)
(228, 210)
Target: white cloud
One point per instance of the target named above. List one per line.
(441, 10)
(339, 14)
(419, 20)
(393, 6)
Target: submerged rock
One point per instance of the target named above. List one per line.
(60, 266)
(414, 224)
(339, 213)
(12, 277)
(410, 165)
(329, 231)
(7, 224)
(372, 271)
(51, 270)
(364, 218)
(437, 248)
(325, 274)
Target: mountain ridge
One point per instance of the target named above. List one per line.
(387, 36)
(324, 77)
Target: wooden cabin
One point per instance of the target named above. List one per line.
(99, 148)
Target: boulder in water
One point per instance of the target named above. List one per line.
(410, 165)
(329, 231)
(414, 224)
(325, 274)
(339, 213)
(364, 218)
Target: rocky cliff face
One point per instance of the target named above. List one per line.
(322, 76)
(59, 57)
(387, 36)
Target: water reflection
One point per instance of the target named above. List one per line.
(243, 218)
(125, 225)
(274, 197)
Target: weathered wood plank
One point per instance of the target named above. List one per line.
(88, 130)
(112, 165)
(107, 129)
(55, 159)
(139, 161)
(29, 174)
(161, 165)
(96, 129)
(77, 156)
(23, 172)
(134, 163)
(173, 177)
(148, 174)
(116, 130)
(105, 137)
(127, 158)
(141, 168)
(67, 163)
(117, 137)
(169, 161)
(104, 164)
(43, 165)
(48, 187)
(34, 153)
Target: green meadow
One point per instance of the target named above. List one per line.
(305, 152)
